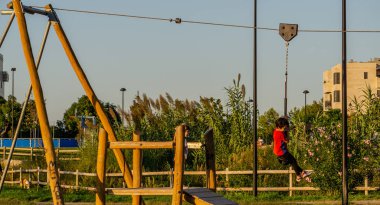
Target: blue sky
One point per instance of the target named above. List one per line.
(189, 60)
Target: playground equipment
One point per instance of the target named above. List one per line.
(287, 32)
(18, 10)
(192, 195)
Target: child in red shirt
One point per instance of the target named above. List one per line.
(280, 140)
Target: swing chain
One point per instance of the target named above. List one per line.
(286, 58)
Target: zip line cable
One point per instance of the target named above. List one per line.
(179, 20)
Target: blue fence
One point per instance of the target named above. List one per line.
(29, 142)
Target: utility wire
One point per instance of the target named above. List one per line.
(179, 20)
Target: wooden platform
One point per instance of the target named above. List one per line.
(204, 196)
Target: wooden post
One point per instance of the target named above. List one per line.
(12, 175)
(290, 181)
(47, 177)
(20, 177)
(210, 160)
(136, 199)
(171, 177)
(38, 177)
(40, 103)
(366, 185)
(57, 150)
(101, 168)
(31, 153)
(4, 152)
(77, 179)
(29, 176)
(227, 178)
(178, 165)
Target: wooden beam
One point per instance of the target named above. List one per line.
(123, 165)
(179, 161)
(194, 145)
(141, 145)
(40, 104)
(101, 168)
(140, 191)
(136, 199)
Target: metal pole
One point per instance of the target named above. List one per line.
(13, 95)
(344, 106)
(40, 105)
(255, 100)
(305, 92)
(305, 108)
(122, 105)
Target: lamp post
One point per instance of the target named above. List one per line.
(122, 104)
(13, 95)
(305, 92)
(254, 128)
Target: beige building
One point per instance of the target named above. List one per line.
(360, 75)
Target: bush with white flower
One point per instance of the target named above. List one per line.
(320, 147)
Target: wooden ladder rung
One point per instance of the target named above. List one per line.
(140, 191)
(141, 145)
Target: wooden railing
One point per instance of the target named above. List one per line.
(33, 153)
(16, 177)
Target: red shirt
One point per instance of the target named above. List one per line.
(279, 143)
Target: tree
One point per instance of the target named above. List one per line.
(6, 114)
(82, 107)
(266, 125)
(239, 117)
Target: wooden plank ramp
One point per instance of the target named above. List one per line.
(205, 196)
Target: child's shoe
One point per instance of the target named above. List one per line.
(305, 173)
(299, 178)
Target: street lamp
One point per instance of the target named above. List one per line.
(122, 104)
(305, 92)
(13, 94)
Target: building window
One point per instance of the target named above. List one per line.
(336, 96)
(365, 75)
(336, 78)
(327, 104)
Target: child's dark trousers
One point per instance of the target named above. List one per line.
(288, 158)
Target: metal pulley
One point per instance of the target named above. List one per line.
(288, 31)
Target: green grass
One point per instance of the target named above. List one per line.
(275, 197)
(14, 195)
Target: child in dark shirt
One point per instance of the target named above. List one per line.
(280, 140)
